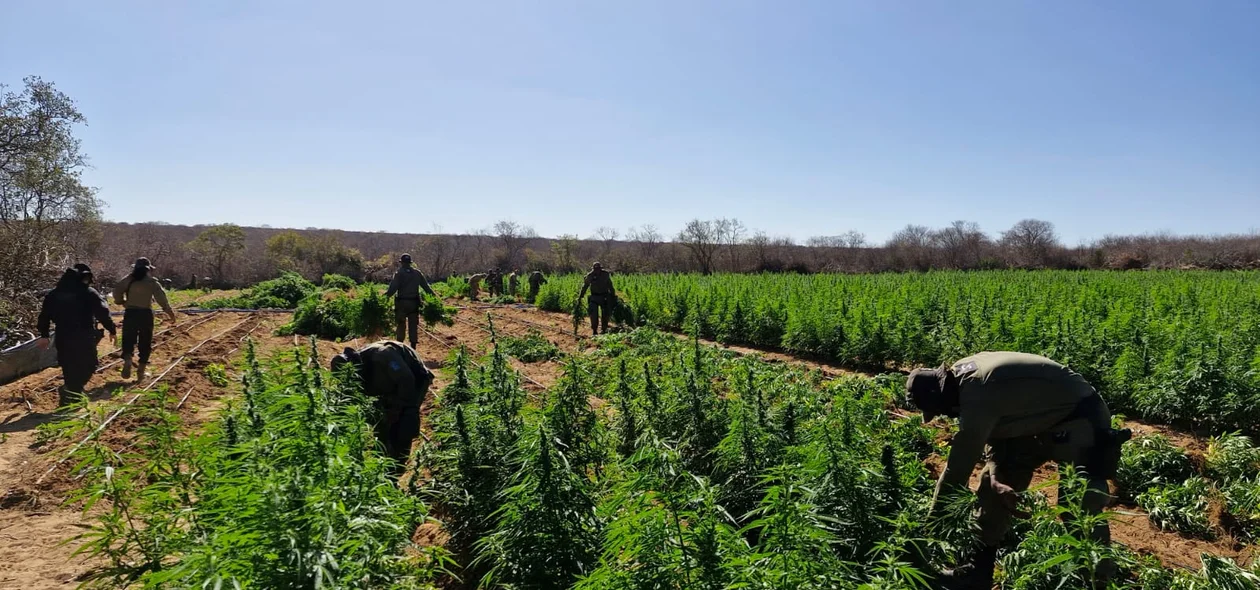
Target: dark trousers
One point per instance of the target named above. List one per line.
(1014, 460)
(76, 353)
(137, 329)
(600, 307)
(397, 430)
(407, 320)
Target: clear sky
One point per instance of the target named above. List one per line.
(798, 117)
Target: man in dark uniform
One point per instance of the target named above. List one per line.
(407, 283)
(514, 280)
(1029, 410)
(603, 297)
(393, 375)
(536, 280)
(75, 308)
(494, 282)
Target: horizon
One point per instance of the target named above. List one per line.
(671, 237)
(808, 119)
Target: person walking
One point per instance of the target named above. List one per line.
(1029, 410)
(75, 308)
(536, 281)
(406, 284)
(136, 294)
(603, 297)
(397, 379)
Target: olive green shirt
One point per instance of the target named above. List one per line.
(407, 283)
(599, 282)
(397, 377)
(141, 294)
(1007, 395)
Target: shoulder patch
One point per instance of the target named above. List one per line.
(966, 368)
(395, 366)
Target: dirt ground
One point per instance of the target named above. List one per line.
(37, 528)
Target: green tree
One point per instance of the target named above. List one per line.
(217, 247)
(48, 217)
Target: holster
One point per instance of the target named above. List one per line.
(1103, 459)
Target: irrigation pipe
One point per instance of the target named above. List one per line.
(131, 401)
(47, 386)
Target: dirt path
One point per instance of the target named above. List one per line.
(34, 479)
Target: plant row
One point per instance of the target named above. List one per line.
(1178, 347)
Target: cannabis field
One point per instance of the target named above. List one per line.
(1175, 347)
(650, 459)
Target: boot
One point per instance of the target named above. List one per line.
(140, 372)
(976, 574)
(126, 372)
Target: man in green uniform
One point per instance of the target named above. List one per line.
(536, 280)
(407, 283)
(494, 282)
(75, 308)
(603, 297)
(395, 377)
(514, 281)
(1029, 410)
(474, 285)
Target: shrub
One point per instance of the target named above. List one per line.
(1180, 507)
(1232, 456)
(1149, 461)
(531, 348)
(281, 293)
(339, 282)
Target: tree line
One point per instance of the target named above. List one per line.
(230, 255)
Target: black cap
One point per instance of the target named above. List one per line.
(925, 390)
(597, 265)
(405, 259)
(143, 263)
(83, 269)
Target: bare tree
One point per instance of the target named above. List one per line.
(730, 234)
(702, 239)
(911, 247)
(648, 241)
(514, 237)
(440, 253)
(1031, 241)
(961, 244)
(607, 236)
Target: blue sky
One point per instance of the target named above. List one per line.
(798, 117)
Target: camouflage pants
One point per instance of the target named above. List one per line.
(407, 320)
(1013, 461)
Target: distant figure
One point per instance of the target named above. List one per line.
(75, 308)
(474, 285)
(166, 284)
(136, 294)
(514, 281)
(603, 297)
(536, 281)
(192, 282)
(494, 282)
(407, 283)
(395, 377)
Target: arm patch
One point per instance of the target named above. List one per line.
(962, 369)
